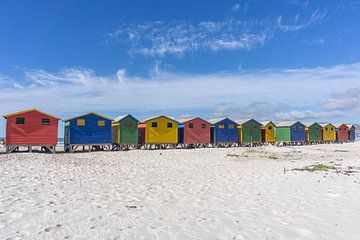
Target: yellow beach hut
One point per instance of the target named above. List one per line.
(161, 130)
(268, 131)
(328, 132)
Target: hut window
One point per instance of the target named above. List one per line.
(231, 126)
(128, 123)
(191, 125)
(332, 129)
(221, 126)
(203, 125)
(80, 122)
(154, 124)
(101, 123)
(169, 125)
(326, 129)
(255, 126)
(270, 128)
(45, 121)
(300, 128)
(294, 128)
(20, 120)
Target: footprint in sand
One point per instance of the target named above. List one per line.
(49, 229)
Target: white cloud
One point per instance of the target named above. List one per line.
(276, 94)
(235, 7)
(159, 38)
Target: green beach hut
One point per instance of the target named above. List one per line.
(313, 132)
(283, 133)
(250, 131)
(125, 131)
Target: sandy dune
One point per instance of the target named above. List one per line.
(234, 193)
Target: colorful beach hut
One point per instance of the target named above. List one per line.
(290, 132)
(124, 132)
(313, 132)
(250, 131)
(160, 132)
(328, 132)
(31, 128)
(224, 132)
(268, 132)
(351, 132)
(193, 131)
(342, 131)
(90, 130)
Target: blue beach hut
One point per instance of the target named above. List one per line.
(90, 130)
(297, 131)
(352, 133)
(224, 131)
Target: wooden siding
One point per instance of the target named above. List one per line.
(329, 133)
(32, 132)
(342, 133)
(197, 134)
(314, 133)
(251, 132)
(161, 134)
(223, 133)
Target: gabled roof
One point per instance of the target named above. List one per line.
(264, 123)
(30, 110)
(121, 117)
(337, 125)
(217, 120)
(309, 124)
(89, 113)
(184, 120)
(351, 125)
(326, 124)
(287, 123)
(243, 121)
(152, 118)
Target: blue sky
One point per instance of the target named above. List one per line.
(280, 60)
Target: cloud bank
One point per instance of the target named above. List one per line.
(285, 94)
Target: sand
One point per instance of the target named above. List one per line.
(232, 193)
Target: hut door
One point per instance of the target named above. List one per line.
(67, 135)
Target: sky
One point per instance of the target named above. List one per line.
(269, 60)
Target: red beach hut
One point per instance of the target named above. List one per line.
(342, 132)
(194, 131)
(31, 128)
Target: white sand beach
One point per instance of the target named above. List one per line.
(230, 193)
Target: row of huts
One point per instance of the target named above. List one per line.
(94, 131)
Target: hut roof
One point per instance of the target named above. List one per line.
(326, 124)
(152, 118)
(85, 114)
(121, 117)
(309, 124)
(30, 110)
(216, 120)
(243, 121)
(287, 123)
(184, 120)
(337, 125)
(264, 123)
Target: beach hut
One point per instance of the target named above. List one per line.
(194, 131)
(250, 131)
(31, 128)
(313, 132)
(342, 132)
(124, 132)
(351, 132)
(268, 132)
(224, 132)
(328, 132)
(159, 132)
(90, 130)
(293, 132)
